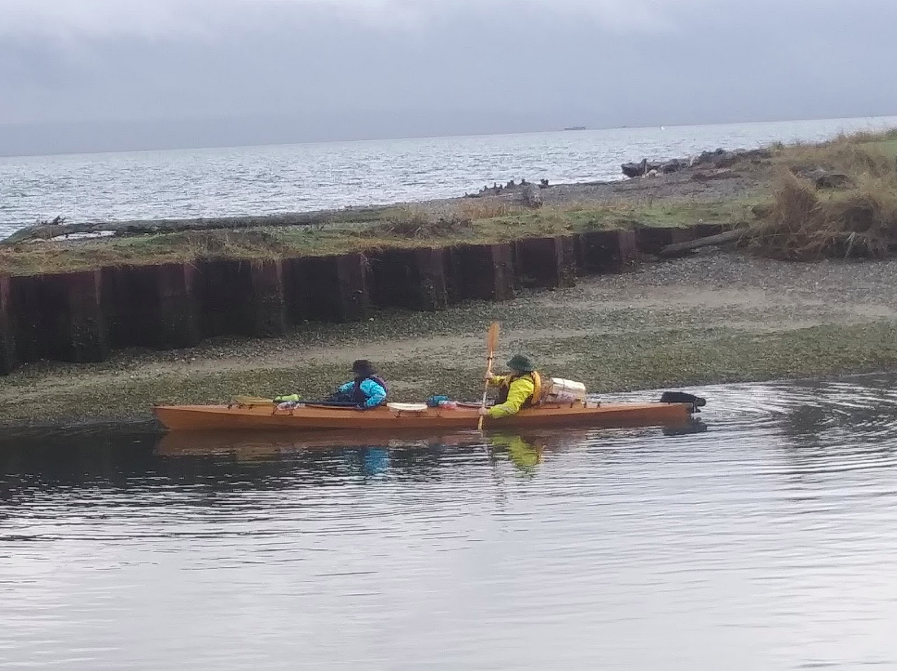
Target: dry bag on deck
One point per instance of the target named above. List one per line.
(563, 391)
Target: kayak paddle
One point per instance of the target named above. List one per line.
(491, 345)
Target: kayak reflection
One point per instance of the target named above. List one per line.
(377, 454)
(524, 450)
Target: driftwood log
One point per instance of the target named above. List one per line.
(710, 241)
(51, 230)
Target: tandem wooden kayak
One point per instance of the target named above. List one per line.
(400, 417)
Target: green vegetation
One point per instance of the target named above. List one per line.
(885, 146)
(577, 218)
(468, 221)
(884, 142)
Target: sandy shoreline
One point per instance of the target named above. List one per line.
(713, 317)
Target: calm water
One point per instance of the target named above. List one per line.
(767, 542)
(291, 178)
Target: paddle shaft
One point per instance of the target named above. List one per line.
(486, 390)
(491, 345)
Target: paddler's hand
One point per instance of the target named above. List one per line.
(489, 377)
(483, 412)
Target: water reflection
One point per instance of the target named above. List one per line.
(757, 537)
(690, 428)
(373, 456)
(228, 461)
(408, 453)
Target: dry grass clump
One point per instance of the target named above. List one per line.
(420, 224)
(485, 208)
(866, 136)
(806, 220)
(804, 223)
(857, 160)
(855, 155)
(840, 156)
(253, 243)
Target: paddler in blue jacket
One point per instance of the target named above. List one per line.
(368, 390)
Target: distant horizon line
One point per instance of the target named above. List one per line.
(198, 147)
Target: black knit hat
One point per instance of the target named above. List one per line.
(363, 367)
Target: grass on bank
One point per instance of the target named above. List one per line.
(853, 215)
(857, 154)
(804, 221)
(467, 222)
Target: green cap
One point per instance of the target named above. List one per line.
(521, 363)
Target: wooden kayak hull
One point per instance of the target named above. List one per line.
(218, 417)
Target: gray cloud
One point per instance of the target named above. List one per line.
(241, 71)
(65, 19)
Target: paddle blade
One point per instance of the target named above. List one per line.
(492, 337)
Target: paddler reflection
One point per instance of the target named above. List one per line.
(375, 460)
(524, 452)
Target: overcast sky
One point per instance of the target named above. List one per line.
(116, 74)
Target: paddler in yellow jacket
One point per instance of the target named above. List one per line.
(519, 390)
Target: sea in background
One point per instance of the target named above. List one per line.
(187, 183)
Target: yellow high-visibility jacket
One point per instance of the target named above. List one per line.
(520, 391)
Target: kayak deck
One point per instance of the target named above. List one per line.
(312, 418)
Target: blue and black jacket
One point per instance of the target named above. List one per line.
(369, 392)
